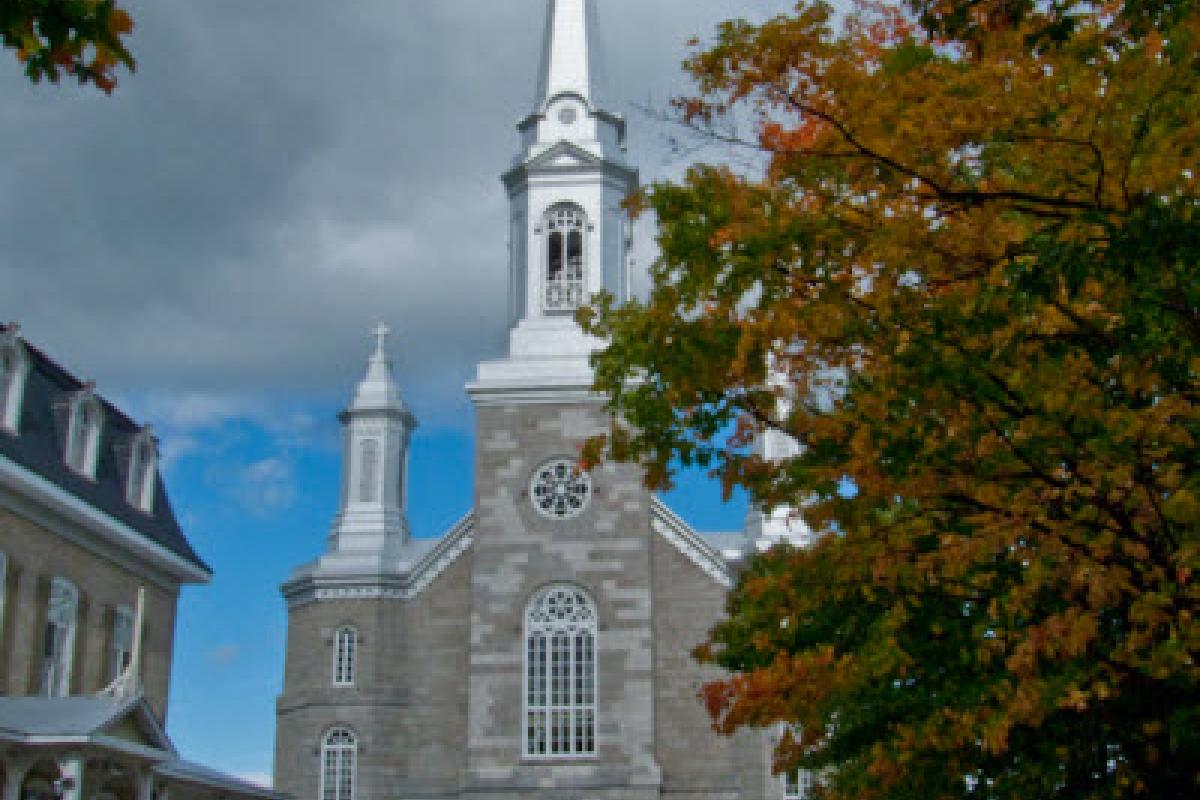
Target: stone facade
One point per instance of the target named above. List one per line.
(35, 556)
(437, 704)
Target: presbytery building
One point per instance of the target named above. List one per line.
(540, 648)
(91, 563)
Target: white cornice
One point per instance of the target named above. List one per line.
(667, 524)
(405, 583)
(63, 504)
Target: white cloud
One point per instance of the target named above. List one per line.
(223, 655)
(265, 487)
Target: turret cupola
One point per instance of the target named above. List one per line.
(371, 524)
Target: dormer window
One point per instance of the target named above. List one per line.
(565, 226)
(83, 433)
(14, 367)
(143, 471)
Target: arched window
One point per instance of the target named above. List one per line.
(368, 471)
(565, 225)
(143, 471)
(14, 367)
(338, 751)
(560, 673)
(83, 433)
(345, 651)
(120, 652)
(58, 650)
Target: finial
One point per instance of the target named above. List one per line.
(381, 333)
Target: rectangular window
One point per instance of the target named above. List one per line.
(59, 645)
(797, 785)
(120, 652)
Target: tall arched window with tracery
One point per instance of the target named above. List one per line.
(345, 647)
(339, 750)
(560, 673)
(565, 226)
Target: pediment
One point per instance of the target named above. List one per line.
(137, 725)
(565, 156)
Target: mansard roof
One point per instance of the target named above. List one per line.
(37, 450)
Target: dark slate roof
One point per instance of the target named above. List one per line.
(40, 443)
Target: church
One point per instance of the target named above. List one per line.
(541, 646)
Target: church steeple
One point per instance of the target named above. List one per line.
(568, 52)
(569, 237)
(371, 525)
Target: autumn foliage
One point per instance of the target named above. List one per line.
(76, 38)
(971, 259)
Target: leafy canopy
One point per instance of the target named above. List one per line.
(77, 38)
(970, 263)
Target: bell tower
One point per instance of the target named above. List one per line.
(568, 235)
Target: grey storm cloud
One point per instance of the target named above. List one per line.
(279, 175)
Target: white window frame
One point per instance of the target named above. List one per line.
(798, 784)
(143, 471)
(564, 293)
(339, 754)
(58, 646)
(83, 433)
(120, 649)
(3, 591)
(345, 655)
(12, 379)
(559, 683)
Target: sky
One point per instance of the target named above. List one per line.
(214, 242)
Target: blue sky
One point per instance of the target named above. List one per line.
(213, 243)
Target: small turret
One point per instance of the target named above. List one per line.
(371, 526)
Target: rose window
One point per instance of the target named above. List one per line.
(560, 489)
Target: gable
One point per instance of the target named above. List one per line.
(563, 156)
(667, 524)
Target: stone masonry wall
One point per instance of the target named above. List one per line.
(606, 551)
(434, 664)
(373, 707)
(35, 556)
(696, 762)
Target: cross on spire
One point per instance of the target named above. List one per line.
(380, 333)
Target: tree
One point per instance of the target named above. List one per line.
(78, 38)
(972, 256)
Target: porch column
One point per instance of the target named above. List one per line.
(145, 788)
(14, 776)
(70, 769)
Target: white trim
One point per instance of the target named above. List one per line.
(40, 490)
(667, 524)
(3, 596)
(62, 624)
(572, 704)
(344, 666)
(85, 427)
(404, 584)
(142, 480)
(485, 393)
(341, 752)
(12, 388)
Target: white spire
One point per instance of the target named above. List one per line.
(568, 52)
(377, 390)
